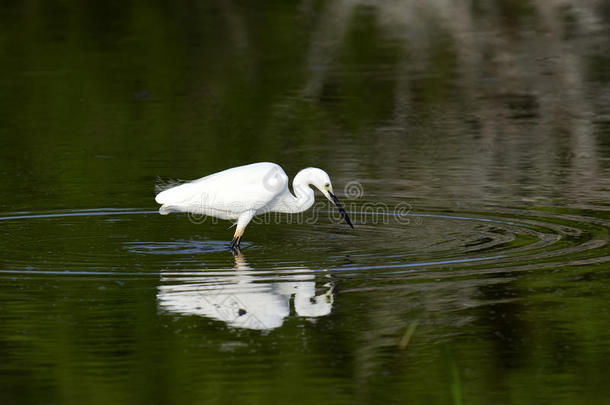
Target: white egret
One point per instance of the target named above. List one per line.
(242, 192)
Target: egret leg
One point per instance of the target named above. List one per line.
(242, 221)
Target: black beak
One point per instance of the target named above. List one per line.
(341, 210)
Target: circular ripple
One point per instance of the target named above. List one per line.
(179, 247)
(131, 241)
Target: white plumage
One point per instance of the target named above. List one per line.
(242, 192)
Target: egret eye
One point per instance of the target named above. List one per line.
(327, 185)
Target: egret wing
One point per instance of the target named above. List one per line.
(228, 193)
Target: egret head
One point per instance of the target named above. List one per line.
(320, 180)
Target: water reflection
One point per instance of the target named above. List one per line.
(494, 110)
(244, 297)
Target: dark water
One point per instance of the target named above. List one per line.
(470, 142)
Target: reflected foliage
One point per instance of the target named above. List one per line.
(454, 106)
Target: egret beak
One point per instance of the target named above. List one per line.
(333, 198)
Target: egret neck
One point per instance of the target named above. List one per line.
(302, 190)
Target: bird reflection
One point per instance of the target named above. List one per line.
(244, 297)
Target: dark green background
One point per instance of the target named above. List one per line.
(482, 110)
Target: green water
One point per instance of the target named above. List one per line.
(470, 142)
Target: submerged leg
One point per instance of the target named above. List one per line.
(242, 222)
(235, 242)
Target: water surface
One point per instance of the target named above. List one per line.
(469, 142)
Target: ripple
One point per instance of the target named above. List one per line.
(95, 240)
(75, 213)
(294, 268)
(176, 247)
